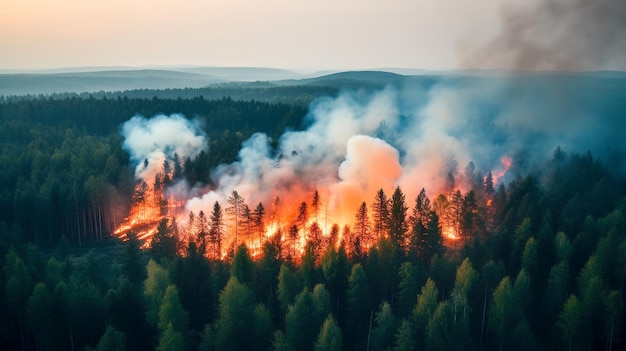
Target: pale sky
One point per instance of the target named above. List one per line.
(291, 34)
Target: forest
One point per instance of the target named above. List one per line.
(538, 263)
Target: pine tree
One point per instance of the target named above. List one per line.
(235, 325)
(315, 205)
(419, 220)
(203, 232)
(259, 221)
(570, 320)
(303, 216)
(380, 208)
(216, 230)
(359, 306)
(235, 210)
(362, 224)
(329, 338)
(398, 226)
(384, 332)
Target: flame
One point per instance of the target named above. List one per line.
(449, 232)
(145, 216)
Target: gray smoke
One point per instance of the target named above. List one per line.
(562, 35)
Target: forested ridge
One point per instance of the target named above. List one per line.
(291, 94)
(541, 267)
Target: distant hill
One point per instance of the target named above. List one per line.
(352, 79)
(268, 84)
(244, 74)
(117, 80)
(96, 79)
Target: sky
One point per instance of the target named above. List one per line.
(291, 34)
(570, 35)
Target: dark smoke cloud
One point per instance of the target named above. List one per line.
(561, 35)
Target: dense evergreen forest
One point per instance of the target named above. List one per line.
(541, 267)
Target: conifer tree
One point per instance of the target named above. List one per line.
(380, 208)
(216, 231)
(398, 226)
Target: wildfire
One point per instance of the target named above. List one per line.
(296, 212)
(145, 216)
(148, 209)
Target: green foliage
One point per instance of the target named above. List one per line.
(171, 340)
(408, 288)
(171, 311)
(384, 332)
(447, 332)
(235, 324)
(465, 280)
(398, 226)
(330, 265)
(112, 340)
(288, 286)
(359, 304)
(127, 313)
(330, 337)
(280, 342)
(242, 267)
(424, 309)
(164, 242)
(570, 320)
(405, 341)
(40, 310)
(154, 289)
(262, 327)
(86, 313)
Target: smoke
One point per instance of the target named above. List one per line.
(413, 137)
(336, 155)
(563, 35)
(157, 139)
(358, 143)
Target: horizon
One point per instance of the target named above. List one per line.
(407, 71)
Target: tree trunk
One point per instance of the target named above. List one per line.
(482, 323)
(369, 331)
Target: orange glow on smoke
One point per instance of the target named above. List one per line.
(505, 164)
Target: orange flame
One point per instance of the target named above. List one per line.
(144, 218)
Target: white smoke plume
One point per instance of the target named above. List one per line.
(158, 138)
